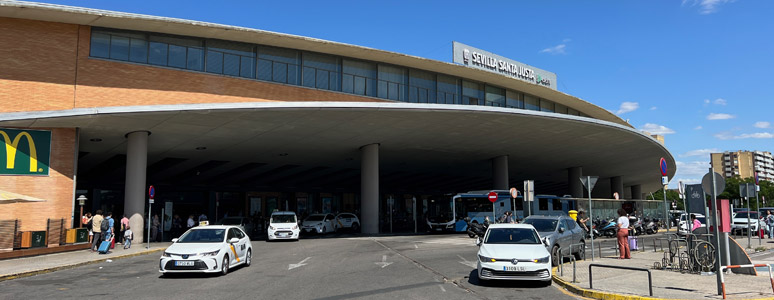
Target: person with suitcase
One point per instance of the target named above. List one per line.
(96, 227)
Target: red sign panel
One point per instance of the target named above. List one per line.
(492, 197)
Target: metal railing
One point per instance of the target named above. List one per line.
(650, 279)
(569, 254)
(723, 280)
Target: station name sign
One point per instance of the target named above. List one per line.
(480, 59)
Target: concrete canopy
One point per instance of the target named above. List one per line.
(423, 147)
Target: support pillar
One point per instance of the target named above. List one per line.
(134, 190)
(573, 180)
(637, 191)
(616, 186)
(369, 188)
(500, 172)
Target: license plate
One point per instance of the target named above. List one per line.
(513, 268)
(438, 229)
(283, 235)
(184, 263)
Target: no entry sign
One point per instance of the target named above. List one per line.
(492, 197)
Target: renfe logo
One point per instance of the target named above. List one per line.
(28, 158)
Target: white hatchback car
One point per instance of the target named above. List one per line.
(283, 225)
(207, 249)
(513, 252)
(319, 223)
(347, 220)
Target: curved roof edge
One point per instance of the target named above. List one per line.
(129, 21)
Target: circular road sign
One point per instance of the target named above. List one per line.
(756, 178)
(151, 192)
(720, 183)
(662, 163)
(492, 197)
(514, 192)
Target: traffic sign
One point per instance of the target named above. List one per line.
(720, 183)
(151, 201)
(589, 184)
(681, 187)
(756, 178)
(529, 190)
(151, 192)
(492, 197)
(663, 164)
(514, 192)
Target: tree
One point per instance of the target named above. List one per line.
(672, 196)
(732, 191)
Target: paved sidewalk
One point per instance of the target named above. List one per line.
(30, 266)
(618, 284)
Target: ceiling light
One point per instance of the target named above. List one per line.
(95, 140)
(201, 148)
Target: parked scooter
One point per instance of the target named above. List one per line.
(476, 229)
(636, 225)
(651, 226)
(608, 228)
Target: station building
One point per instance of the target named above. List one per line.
(226, 120)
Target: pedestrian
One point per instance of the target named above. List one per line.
(190, 223)
(581, 220)
(128, 237)
(696, 223)
(202, 217)
(623, 234)
(110, 234)
(155, 228)
(770, 223)
(86, 222)
(124, 225)
(96, 223)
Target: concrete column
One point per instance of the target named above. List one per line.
(616, 186)
(135, 189)
(369, 188)
(636, 191)
(500, 172)
(573, 180)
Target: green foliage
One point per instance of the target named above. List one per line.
(732, 191)
(672, 196)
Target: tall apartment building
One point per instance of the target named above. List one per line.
(744, 164)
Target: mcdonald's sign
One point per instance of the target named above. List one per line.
(26, 152)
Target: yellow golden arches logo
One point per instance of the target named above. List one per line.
(10, 150)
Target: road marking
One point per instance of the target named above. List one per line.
(442, 289)
(384, 262)
(415, 246)
(299, 264)
(468, 263)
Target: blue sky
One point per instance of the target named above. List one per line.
(697, 71)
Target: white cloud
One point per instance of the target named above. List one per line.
(720, 101)
(757, 135)
(558, 49)
(566, 40)
(653, 108)
(690, 172)
(627, 107)
(721, 116)
(700, 152)
(706, 101)
(698, 128)
(707, 7)
(656, 129)
(762, 124)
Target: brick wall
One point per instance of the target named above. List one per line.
(56, 189)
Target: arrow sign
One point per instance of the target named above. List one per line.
(384, 262)
(299, 264)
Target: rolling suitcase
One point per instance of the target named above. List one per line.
(104, 247)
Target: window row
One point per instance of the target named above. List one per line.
(309, 69)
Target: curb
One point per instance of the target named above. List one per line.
(59, 268)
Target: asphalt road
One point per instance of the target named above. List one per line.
(333, 267)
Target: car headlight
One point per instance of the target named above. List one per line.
(213, 253)
(166, 254)
(486, 259)
(295, 227)
(541, 260)
(271, 227)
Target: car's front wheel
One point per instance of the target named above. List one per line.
(224, 267)
(555, 259)
(356, 227)
(249, 257)
(581, 254)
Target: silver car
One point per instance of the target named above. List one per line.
(560, 232)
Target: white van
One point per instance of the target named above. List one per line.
(283, 225)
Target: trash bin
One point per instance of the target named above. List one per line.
(71, 235)
(82, 235)
(573, 214)
(38, 239)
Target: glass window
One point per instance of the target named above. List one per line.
(558, 108)
(573, 112)
(472, 93)
(182, 52)
(513, 99)
(177, 56)
(531, 102)
(100, 45)
(556, 204)
(392, 83)
(195, 59)
(119, 47)
(543, 204)
(138, 50)
(321, 71)
(278, 65)
(214, 62)
(495, 96)
(546, 105)
(358, 77)
(158, 53)
(448, 89)
(230, 58)
(422, 87)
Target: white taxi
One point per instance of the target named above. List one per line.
(207, 249)
(283, 225)
(513, 252)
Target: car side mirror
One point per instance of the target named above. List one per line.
(174, 240)
(478, 241)
(545, 242)
(561, 229)
(233, 241)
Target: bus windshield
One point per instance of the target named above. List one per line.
(439, 210)
(472, 206)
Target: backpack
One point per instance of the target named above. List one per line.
(105, 226)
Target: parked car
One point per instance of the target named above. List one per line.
(739, 221)
(513, 252)
(207, 249)
(244, 223)
(560, 232)
(319, 223)
(283, 225)
(347, 221)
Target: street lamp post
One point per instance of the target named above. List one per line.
(81, 201)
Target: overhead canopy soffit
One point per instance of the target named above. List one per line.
(449, 139)
(110, 19)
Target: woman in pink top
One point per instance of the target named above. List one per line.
(696, 223)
